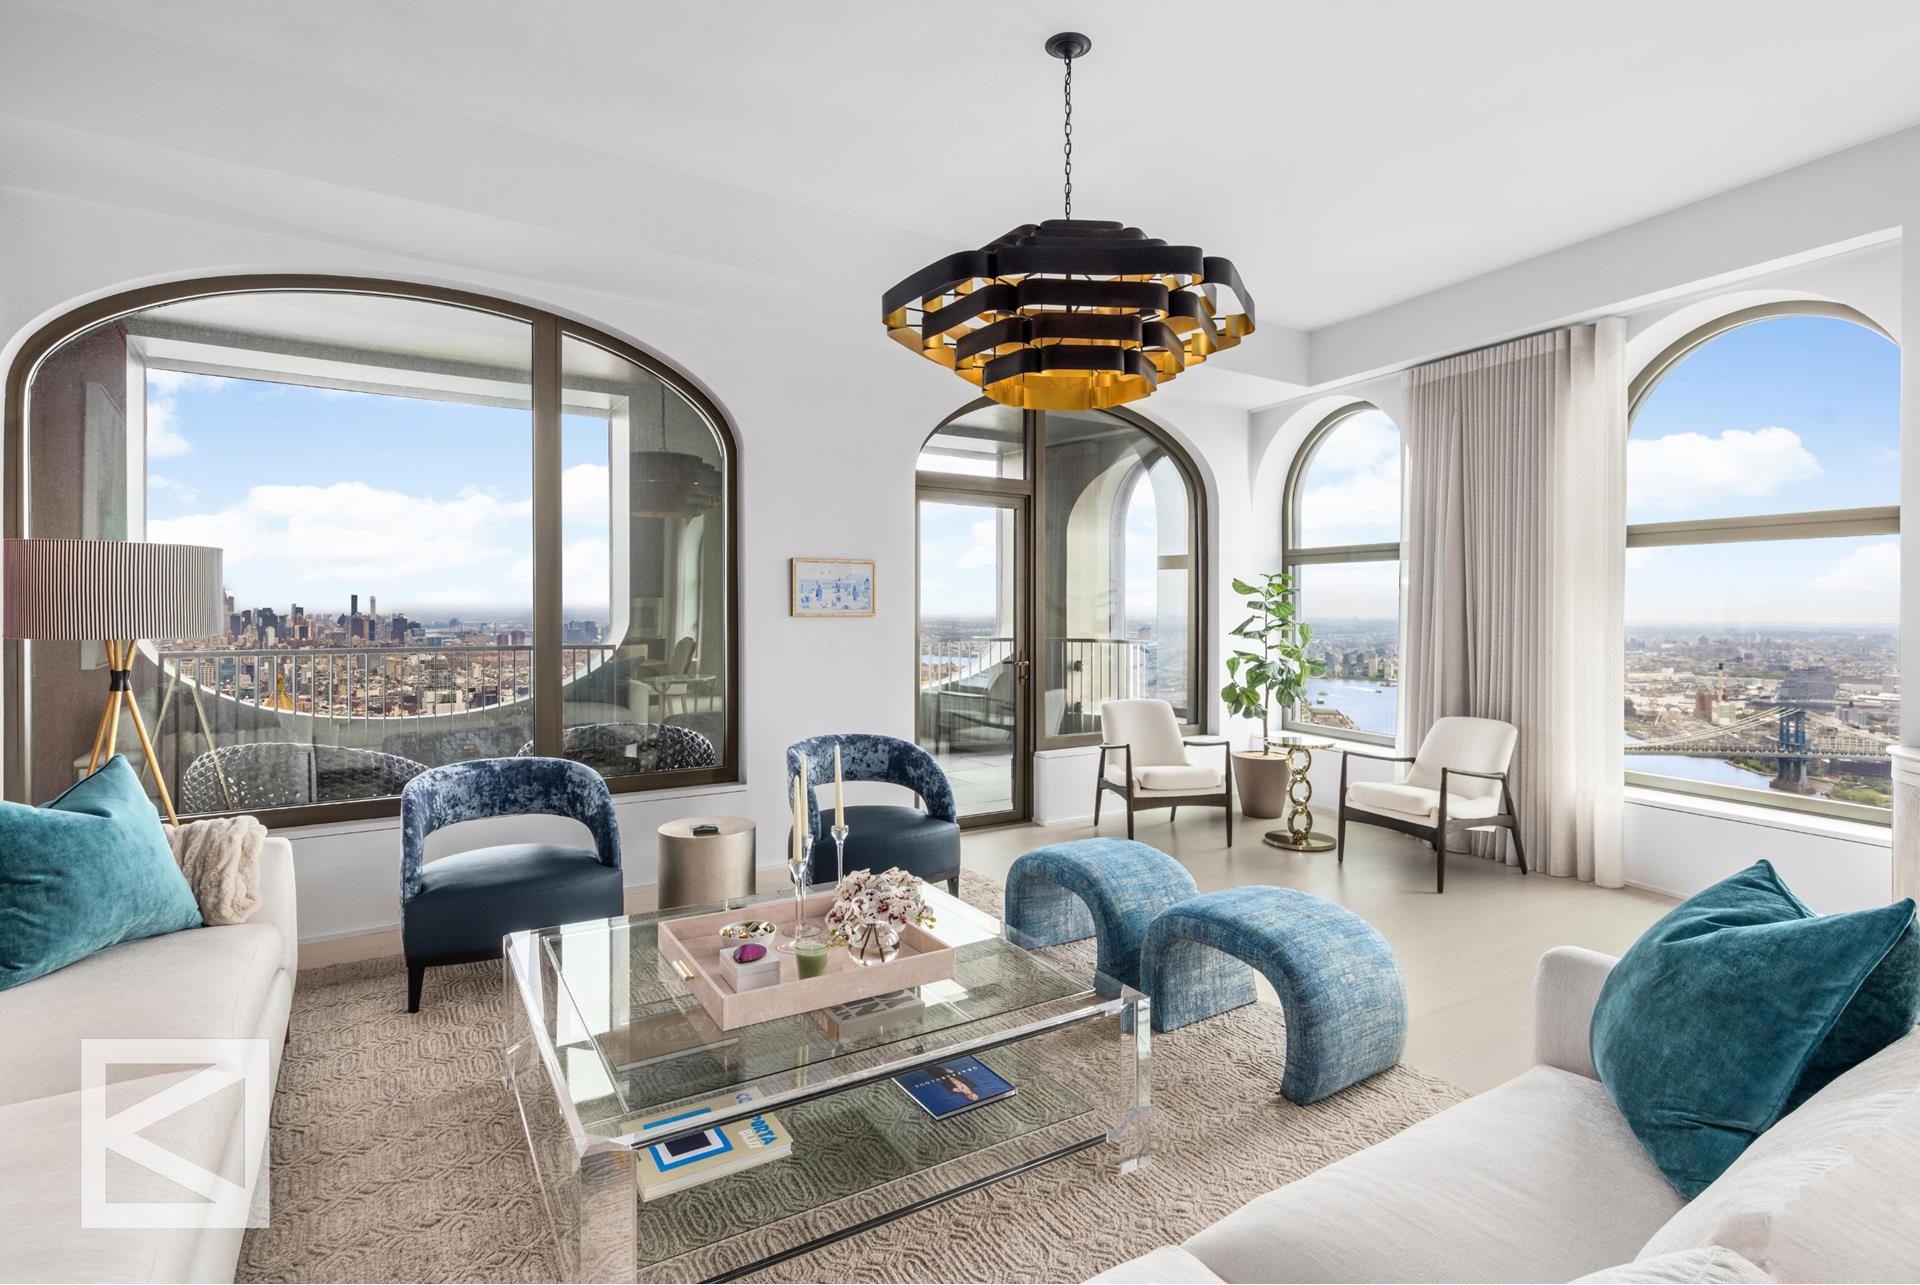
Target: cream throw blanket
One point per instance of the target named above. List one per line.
(221, 859)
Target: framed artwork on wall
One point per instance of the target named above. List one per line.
(831, 587)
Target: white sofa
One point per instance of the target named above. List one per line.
(234, 981)
(1541, 1180)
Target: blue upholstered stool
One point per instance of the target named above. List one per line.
(1109, 889)
(1345, 1003)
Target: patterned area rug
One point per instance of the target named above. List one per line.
(397, 1152)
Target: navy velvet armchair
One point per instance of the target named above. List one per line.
(925, 843)
(457, 909)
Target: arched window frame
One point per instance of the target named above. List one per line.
(1031, 485)
(1297, 556)
(1865, 520)
(547, 331)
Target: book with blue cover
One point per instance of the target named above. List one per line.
(678, 1162)
(949, 1088)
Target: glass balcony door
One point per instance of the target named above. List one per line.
(974, 658)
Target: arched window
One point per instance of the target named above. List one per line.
(1763, 556)
(452, 527)
(1059, 568)
(1342, 524)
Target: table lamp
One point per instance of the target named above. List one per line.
(115, 592)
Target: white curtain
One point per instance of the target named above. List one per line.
(1515, 549)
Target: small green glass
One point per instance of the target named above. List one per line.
(810, 957)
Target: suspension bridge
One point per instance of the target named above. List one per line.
(1790, 735)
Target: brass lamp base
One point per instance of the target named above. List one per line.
(119, 695)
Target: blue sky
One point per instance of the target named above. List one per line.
(1781, 416)
(317, 494)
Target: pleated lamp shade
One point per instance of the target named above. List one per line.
(99, 590)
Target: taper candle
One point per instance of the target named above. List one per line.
(799, 812)
(839, 799)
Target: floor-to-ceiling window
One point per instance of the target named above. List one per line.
(1058, 569)
(1762, 589)
(452, 527)
(1342, 525)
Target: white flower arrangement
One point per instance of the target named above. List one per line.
(892, 895)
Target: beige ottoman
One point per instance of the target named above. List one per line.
(705, 869)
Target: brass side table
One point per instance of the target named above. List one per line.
(705, 869)
(1298, 835)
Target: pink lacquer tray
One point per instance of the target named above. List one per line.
(696, 942)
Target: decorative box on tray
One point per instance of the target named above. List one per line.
(696, 942)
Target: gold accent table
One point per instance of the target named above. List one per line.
(1298, 835)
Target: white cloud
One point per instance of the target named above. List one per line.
(584, 495)
(1364, 441)
(160, 484)
(1352, 488)
(586, 575)
(983, 548)
(306, 542)
(1693, 470)
(1363, 505)
(164, 440)
(1870, 569)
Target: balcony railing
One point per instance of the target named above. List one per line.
(966, 684)
(427, 704)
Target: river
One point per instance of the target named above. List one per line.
(1373, 707)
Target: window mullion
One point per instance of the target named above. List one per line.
(547, 605)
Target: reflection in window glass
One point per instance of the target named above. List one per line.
(1350, 490)
(1116, 581)
(644, 561)
(988, 441)
(1726, 685)
(1354, 608)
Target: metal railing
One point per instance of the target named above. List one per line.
(1074, 675)
(430, 704)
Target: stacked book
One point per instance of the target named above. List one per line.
(689, 1159)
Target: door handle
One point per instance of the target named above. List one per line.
(1021, 666)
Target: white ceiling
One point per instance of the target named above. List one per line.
(1345, 155)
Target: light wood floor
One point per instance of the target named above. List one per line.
(1468, 955)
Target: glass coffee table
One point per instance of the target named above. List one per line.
(606, 1038)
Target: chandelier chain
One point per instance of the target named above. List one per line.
(1067, 147)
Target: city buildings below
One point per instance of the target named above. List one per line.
(363, 664)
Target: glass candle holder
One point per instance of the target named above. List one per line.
(810, 957)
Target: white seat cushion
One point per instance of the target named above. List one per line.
(1417, 803)
(1710, 1266)
(203, 983)
(1168, 1265)
(41, 1238)
(1187, 780)
(1828, 1192)
(1537, 1180)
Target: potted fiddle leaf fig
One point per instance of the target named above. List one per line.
(1269, 674)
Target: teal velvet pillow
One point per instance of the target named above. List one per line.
(1740, 1005)
(84, 872)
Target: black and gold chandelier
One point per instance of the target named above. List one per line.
(1069, 314)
